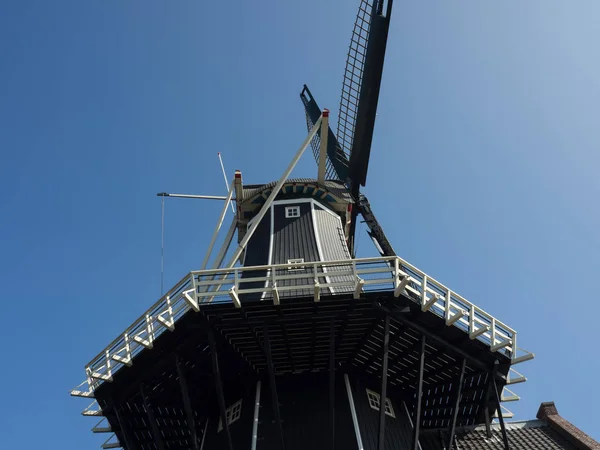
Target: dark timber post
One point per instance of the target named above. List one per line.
(152, 419)
(332, 381)
(488, 420)
(274, 398)
(219, 388)
(417, 424)
(499, 409)
(459, 389)
(129, 443)
(187, 404)
(384, 371)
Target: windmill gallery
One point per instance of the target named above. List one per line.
(289, 341)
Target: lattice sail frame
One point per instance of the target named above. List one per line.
(353, 77)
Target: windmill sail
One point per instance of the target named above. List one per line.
(353, 77)
(336, 166)
(348, 152)
(360, 115)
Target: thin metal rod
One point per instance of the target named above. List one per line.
(256, 413)
(384, 373)
(219, 388)
(202, 197)
(162, 247)
(353, 413)
(332, 381)
(417, 425)
(187, 403)
(459, 389)
(226, 182)
(218, 227)
(499, 408)
(158, 440)
(274, 193)
(274, 397)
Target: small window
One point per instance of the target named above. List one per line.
(374, 402)
(292, 211)
(295, 261)
(233, 413)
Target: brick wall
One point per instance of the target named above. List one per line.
(549, 413)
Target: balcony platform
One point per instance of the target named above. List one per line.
(350, 297)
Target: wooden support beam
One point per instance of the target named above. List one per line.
(392, 341)
(473, 362)
(486, 402)
(384, 372)
(219, 388)
(158, 440)
(356, 350)
(286, 340)
(459, 388)
(499, 408)
(274, 397)
(332, 381)
(187, 403)
(417, 424)
(128, 441)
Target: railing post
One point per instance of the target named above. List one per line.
(235, 279)
(108, 368)
(396, 272)
(424, 290)
(169, 308)
(471, 319)
(493, 333)
(149, 329)
(513, 354)
(447, 306)
(127, 347)
(193, 283)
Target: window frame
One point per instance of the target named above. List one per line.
(232, 414)
(290, 212)
(375, 403)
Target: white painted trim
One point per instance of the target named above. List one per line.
(256, 412)
(292, 201)
(353, 413)
(325, 208)
(318, 241)
(271, 230)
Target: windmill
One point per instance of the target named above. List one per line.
(290, 341)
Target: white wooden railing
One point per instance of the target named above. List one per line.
(276, 283)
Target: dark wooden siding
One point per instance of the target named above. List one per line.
(292, 239)
(257, 254)
(304, 408)
(241, 430)
(398, 431)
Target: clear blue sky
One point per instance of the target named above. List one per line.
(484, 171)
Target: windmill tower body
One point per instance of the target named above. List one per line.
(296, 343)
